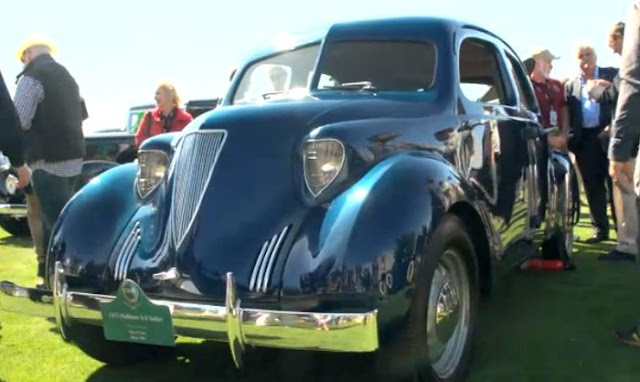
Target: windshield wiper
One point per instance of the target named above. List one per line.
(359, 85)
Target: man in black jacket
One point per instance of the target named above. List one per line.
(11, 138)
(587, 121)
(625, 133)
(50, 109)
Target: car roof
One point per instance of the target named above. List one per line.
(367, 27)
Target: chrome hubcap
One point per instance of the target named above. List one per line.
(448, 313)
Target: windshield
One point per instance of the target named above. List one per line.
(378, 65)
(277, 76)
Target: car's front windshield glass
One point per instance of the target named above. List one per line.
(378, 65)
(277, 76)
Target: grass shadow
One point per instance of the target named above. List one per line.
(22, 242)
(211, 361)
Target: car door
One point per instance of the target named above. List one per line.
(496, 146)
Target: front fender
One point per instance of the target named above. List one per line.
(91, 223)
(361, 251)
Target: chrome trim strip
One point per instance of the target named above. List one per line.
(15, 210)
(256, 267)
(274, 255)
(127, 261)
(128, 249)
(263, 266)
(339, 332)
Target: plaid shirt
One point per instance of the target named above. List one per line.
(29, 94)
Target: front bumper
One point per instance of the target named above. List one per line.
(15, 210)
(338, 332)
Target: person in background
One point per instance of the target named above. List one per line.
(625, 135)
(51, 113)
(166, 117)
(587, 120)
(624, 202)
(11, 137)
(551, 97)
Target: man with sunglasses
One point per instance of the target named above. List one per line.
(50, 108)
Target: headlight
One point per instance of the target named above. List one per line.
(323, 160)
(152, 166)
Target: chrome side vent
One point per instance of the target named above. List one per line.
(127, 251)
(261, 274)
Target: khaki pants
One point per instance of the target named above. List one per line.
(34, 217)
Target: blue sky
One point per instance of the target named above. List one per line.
(118, 50)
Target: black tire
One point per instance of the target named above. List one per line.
(412, 358)
(90, 339)
(15, 227)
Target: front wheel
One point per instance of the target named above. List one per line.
(437, 342)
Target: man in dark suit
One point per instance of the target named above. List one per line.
(587, 121)
(625, 133)
(11, 136)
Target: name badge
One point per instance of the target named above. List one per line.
(553, 118)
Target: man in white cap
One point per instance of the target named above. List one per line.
(551, 97)
(50, 108)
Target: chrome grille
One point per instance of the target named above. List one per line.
(127, 251)
(261, 274)
(195, 159)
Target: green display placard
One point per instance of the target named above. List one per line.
(132, 317)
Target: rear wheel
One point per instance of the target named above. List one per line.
(90, 339)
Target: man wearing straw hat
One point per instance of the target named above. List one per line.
(50, 108)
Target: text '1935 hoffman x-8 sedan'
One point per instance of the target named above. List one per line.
(355, 192)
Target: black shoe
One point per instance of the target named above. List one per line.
(616, 255)
(597, 238)
(629, 336)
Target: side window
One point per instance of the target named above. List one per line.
(523, 85)
(480, 79)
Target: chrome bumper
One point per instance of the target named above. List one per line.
(15, 210)
(338, 332)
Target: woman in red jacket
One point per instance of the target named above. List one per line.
(166, 117)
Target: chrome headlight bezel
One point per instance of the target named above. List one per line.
(157, 159)
(317, 190)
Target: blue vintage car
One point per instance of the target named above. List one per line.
(357, 191)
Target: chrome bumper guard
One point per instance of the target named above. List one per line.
(15, 210)
(338, 332)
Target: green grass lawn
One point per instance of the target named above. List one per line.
(537, 327)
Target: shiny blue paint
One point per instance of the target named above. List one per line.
(352, 247)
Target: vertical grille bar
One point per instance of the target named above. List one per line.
(195, 160)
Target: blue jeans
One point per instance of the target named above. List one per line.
(53, 192)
